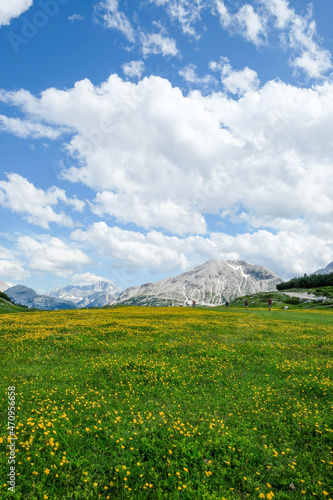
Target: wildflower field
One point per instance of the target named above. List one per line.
(169, 403)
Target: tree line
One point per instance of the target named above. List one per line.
(5, 296)
(313, 281)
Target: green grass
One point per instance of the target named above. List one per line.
(281, 299)
(169, 403)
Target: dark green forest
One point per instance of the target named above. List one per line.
(5, 296)
(313, 281)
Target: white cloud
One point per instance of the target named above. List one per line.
(25, 128)
(134, 69)
(302, 38)
(12, 9)
(246, 22)
(166, 214)
(251, 24)
(75, 17)
(21, 196)
(155, 251)
(6, 254)
(266, 154)
(281, 11)
(156, 43)
(313, 60)
(285, 253)
(12, 270)
(189, 73)
(10, 267)
(52, 255)
(151, 43)
(236, 82)
(298, 34)
(186, 12)
(114, 19)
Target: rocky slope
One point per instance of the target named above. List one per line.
(211, 283)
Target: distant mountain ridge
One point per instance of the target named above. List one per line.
(96, 294)
(211, 283)
(22, 295)
(326, 270)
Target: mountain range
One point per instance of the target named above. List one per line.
(211, 284)
(97, 294)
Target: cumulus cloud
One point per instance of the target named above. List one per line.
(11, 9)
(246, 22)
(10, 267)
(131, 249)
(157, 252)
(12, 270)
(5, 254)
(21, 196)
(49, 254)
(160, 159)
(165, 214)
(277, 251)
(134, 69)
(236, 82)
(281, 11)
(251, 24)
(26, 128)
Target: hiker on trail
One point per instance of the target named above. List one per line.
(193, 303)
(246, 303)
(226, 304)
(170, 304)
(270, 304)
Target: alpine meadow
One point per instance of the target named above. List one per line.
(170, 403)
(166, 249)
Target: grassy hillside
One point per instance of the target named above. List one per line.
(9, 307)
(323, 299)
(169, 403)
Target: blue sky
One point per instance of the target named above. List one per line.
(140, 139)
